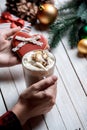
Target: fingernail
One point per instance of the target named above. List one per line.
(54, 78)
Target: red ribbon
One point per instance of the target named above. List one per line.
(6, 17)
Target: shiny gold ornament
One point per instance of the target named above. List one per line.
(82, 46)
(47, 13)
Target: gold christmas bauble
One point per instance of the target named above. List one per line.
(82, 46)
(47, 13)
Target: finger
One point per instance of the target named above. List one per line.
(10, 61)
(49, 93)
(45, 83)
(39, 86)
(52, 91)
(14, 61)
(11, 32)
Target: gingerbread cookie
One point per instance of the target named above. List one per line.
(23, 42)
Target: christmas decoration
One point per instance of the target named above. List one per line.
(6, 17)
(83, 32)
(25, 9)
(47, 13)
(71, 17)
(82, 46)
(23, 42)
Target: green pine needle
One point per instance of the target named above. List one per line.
(70, 17)
(70, 5)
(84, 16)
(54, 40)
(58, 29)
(81, 9)
(73, 35)
(82, 12)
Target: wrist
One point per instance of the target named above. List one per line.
(21, 113)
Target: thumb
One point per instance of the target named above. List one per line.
(11, 32)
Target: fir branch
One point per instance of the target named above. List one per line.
(73, 35)
(56, 33)
(70, 5)
(70, 16)
(84, 16)
(63, 20)
(59, 28)
(81, 9)
(54, 39)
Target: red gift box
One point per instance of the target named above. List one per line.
(21, 46)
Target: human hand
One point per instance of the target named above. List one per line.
(7, 58)
(37, 99)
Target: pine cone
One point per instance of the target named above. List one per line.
(25, 9)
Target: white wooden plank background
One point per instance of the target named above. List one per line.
(70, 110)
(2, 105)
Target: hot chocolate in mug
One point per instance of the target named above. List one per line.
(37, 64)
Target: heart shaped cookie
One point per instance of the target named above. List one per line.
(23, 42)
